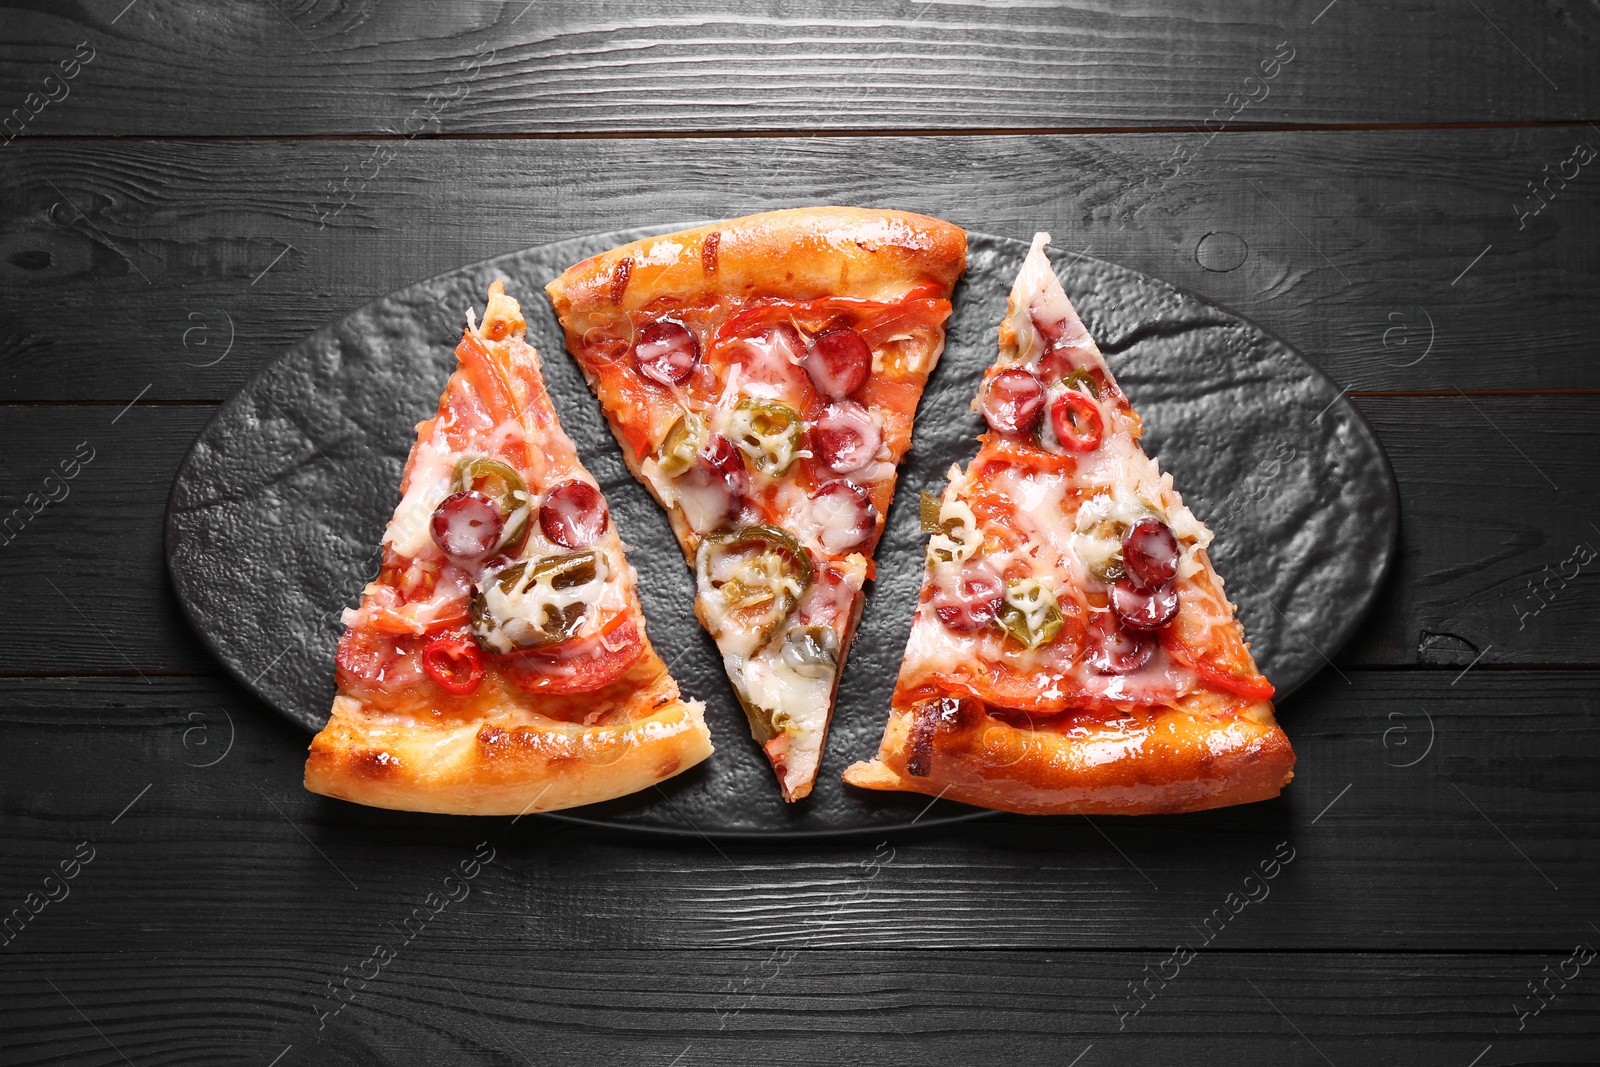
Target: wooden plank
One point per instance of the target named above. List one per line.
(1479, 524)
(564, 66)
(433, 1004)
(1425, 816)
(84, 493)
(1499, 551)
(1368, 251)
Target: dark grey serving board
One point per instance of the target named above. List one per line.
(276, 512)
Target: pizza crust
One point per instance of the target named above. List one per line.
(1180, 759)
(799, 254)
(481, 767)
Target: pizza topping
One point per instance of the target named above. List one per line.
(811, 652)
(704, 475)
(1143, 609)
(467, 526)
(749, 582)
(769, 433)
(580, 665)
(1113, 650)
(1084, 381)
(1077, 422)
(958, 535)
(1030, 614)
(666, 352)
(502, 484)
(1100, 547)
(838, 362)
(926, 719)
(846, 437)
(1013, 402)
(845, 516)
(1051, 321)
(535, 604)
(683, 442)
(454, 663)
(769, 362)
(787, 692)
(967, 596)
(712, 489)
(370, 660)
(1150, 553)
(574, 515)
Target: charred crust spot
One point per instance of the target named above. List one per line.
(668, 767)
(621, 274)
(374, 764)
(926, 719)
(708, 252)
(492, 735)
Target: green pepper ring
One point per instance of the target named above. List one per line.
(504, 486)
(763, 533)
(484, 622)
(782, 418)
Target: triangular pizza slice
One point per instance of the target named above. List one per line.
(1072, 650)
(761, 375)
(499, 664)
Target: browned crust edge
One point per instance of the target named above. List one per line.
(798, 254)
(1182, 761)
(478, 768)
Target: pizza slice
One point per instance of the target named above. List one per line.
(1072, 650)
(761, 376)
(499, 664)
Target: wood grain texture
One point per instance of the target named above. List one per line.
(320, 66)
(1489, 556)
(437, 1006)
(1425, 816)
(1442, 819)
(1357, 246)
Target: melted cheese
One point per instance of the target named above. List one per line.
(410, 529)
(770, 366)
(523, 608)
(958, 537)
(1033, 599)
(765, 451)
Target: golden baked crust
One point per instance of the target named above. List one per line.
(798, 254)
(483, 768)
(1174, 760)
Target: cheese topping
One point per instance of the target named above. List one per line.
(958, 537)
(1033, 601)
(410, 530)
(533, 606)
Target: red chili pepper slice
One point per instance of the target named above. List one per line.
(455, 663)
(1077, 422)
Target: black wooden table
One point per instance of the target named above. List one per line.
(1405, 191)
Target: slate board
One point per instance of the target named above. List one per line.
(276, 512)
